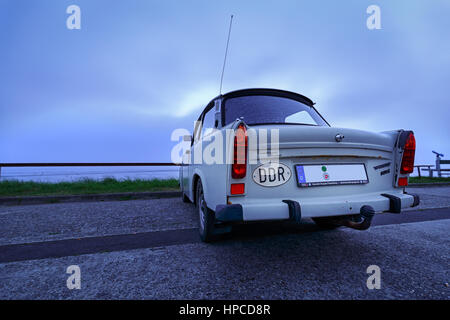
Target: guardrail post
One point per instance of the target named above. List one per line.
(438, 166)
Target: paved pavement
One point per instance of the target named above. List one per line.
(148, 249)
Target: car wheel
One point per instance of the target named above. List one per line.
(206, 216)
(325, 223)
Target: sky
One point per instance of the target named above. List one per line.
(115, 90)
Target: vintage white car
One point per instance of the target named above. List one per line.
(267, 154)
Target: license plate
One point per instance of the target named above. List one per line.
(309, 175)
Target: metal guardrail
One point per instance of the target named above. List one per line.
(160, 164)
(423, 166)
(88, 164)
(437, 169)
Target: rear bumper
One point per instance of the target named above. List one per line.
(283, 209)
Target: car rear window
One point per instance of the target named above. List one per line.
(263, 109)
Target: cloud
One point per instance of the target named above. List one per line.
(144, 68)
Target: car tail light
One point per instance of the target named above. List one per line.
(409, 152)
(403, 182)
(237, 188)
(239, 167)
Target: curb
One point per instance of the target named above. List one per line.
(11, 201)
(430, 184)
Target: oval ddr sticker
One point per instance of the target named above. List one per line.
(272, 174)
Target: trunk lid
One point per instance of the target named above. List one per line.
(307, 141)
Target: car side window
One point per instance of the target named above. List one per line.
(208, 122)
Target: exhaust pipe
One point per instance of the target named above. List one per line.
(361, 221)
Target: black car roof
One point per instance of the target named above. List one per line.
(266, 91)
(260, 91)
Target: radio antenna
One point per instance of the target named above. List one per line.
(226, 53)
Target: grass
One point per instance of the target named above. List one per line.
(85, 186)
(111, 185)
(428, 179)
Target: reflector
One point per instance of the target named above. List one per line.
(403, 182)
(237, 188)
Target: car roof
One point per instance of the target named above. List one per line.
(261, 91)
(268, 91)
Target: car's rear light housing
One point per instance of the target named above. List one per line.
(237, 188)
(409, 152)
(239, 166)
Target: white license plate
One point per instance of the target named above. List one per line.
(330, 174)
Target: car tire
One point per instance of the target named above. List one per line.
(206, 216)
(325, 223)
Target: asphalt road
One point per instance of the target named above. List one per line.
(149, 249)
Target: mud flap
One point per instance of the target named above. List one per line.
(229, 213)
(225, 215)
